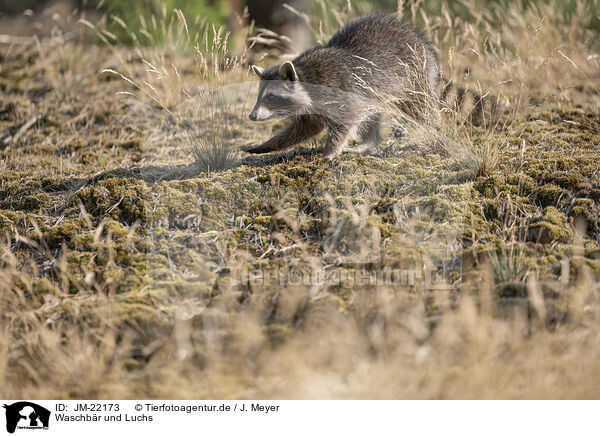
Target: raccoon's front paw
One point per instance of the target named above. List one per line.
(256, 149)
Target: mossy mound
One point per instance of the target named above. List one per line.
(107, 228)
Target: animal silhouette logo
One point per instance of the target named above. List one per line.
(26, 415)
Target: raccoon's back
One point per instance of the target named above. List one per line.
(380, 38)
(392, 49)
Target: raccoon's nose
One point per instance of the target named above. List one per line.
(253, 116)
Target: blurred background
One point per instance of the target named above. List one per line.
(284, 17)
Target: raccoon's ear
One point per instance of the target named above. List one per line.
(258, 70)
(288, 71)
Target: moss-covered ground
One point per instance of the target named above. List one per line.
(119, 252)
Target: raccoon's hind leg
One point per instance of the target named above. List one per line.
(420, 110)
(370, 131)
(300, 129)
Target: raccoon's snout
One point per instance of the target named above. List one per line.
(261, 114)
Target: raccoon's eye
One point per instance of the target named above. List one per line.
(270, 98)
(275, 100)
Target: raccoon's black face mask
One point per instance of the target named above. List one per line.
(280, 93)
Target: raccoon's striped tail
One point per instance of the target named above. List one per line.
(469, 105)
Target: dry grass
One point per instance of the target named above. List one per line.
(198, 107)
(521, 57)
(387, 347)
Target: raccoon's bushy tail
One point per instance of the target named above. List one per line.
(477, 109)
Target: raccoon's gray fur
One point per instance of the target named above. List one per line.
(344, 85)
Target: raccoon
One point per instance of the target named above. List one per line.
(345, 85)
